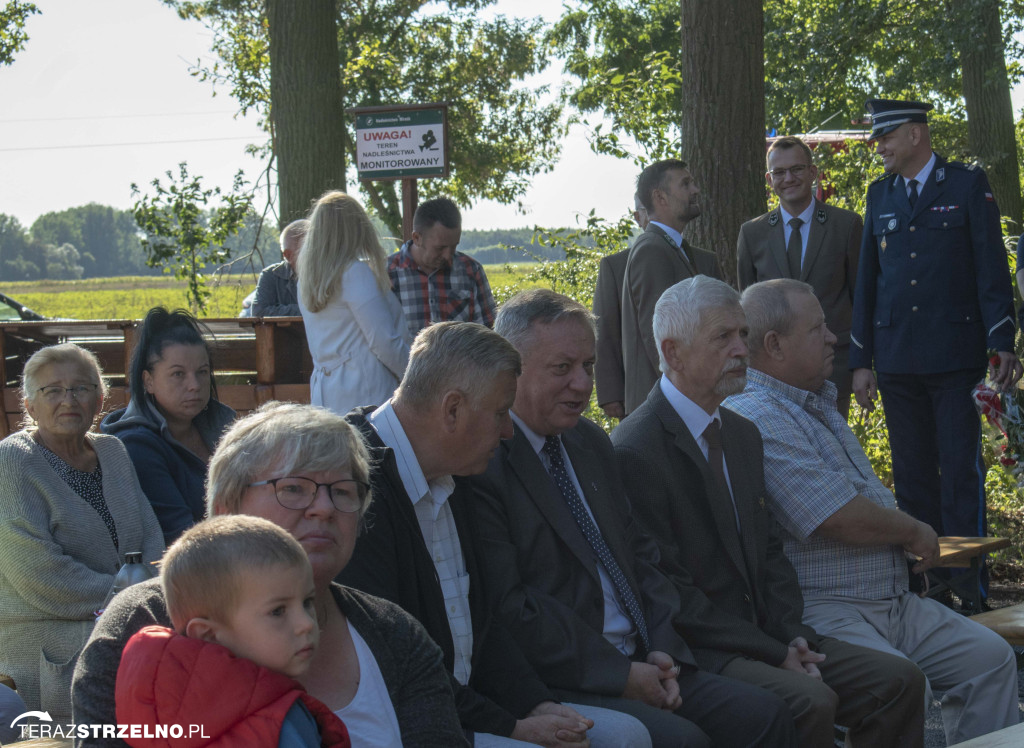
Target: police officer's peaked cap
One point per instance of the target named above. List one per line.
(888, 114)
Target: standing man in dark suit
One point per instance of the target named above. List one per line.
(821, 250)
(703, 500)
(608, 374)
(659, 258)
(933, 295)
(418, 549)
(576, 579)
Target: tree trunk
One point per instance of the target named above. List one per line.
(723, 118)
(986, 90)
(306, 103)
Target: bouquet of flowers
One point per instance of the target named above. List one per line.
(1005, 411)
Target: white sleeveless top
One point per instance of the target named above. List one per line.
(370, 716)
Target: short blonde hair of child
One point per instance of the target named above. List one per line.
(201, 574)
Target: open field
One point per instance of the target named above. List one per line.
(129, 297)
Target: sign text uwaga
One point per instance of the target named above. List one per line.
(400, 144)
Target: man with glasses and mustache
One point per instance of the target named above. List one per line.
(659, 258)
(701, 495)
(805, 239)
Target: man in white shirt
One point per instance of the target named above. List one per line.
(445, 420)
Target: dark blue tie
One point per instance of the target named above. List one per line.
(552, 448)
(912, 196)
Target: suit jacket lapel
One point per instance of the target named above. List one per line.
(742, 488)
(815, 238)
(718, 501)
(930, 190)
(777, 246)
(681, 253)
(599, 498)
(546, 496)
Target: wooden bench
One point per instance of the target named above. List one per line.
(957, 552)
(1008, 622)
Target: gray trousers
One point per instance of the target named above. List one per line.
(972, 666)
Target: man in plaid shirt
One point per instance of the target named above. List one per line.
(434, 282)
(840, 525)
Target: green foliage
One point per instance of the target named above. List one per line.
(398, 51)
(12, 28)
(107, 238)
(178, 235)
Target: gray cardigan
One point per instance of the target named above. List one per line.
(57, 562)
(409, 662)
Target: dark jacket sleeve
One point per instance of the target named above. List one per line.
(92, 690)
(270, 301)
(166, 479)
(390, 561)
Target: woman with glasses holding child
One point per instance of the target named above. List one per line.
(70, 508)
(306, 470)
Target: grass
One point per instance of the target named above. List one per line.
(130, 297)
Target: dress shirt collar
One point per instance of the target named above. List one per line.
(695, 417)
(922, 176)
(806, 216)
(536, 440)
(805, 399)
(385, 422)
(674, 235)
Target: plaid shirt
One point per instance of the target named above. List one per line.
(459, 293)
(813, 466)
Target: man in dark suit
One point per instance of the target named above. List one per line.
(418, 550)
(933, 296)
(822, 250)
(659, 258)
(577, 580)
(703, 500)
(608, 374)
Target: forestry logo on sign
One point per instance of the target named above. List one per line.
(401, 144)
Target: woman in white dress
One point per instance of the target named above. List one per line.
(355, 328)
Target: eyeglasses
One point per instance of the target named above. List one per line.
(296, 492)
(54, 393)
(794, 171)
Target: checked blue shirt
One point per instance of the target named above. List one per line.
(813, 466)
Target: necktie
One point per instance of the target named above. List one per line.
(795, 248)
(552, 449)
(913, 192)
(716, 461)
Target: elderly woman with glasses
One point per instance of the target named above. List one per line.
(70, 509)
(304, 469)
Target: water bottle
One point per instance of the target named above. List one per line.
(132, 572)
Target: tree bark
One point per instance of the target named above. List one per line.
(306, 103)
(986, 90)
(723, 118)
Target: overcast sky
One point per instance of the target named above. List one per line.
(102, 97)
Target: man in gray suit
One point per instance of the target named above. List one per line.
(822, 250)
(575, 577)
(608, 375)
(702, 497)
(659, 258)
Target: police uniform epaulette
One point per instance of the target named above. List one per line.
(961, 166)
(879, 179)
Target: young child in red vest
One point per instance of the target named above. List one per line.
(239, 591)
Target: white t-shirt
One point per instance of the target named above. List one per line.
(370, 716)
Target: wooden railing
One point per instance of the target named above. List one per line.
(255, 359)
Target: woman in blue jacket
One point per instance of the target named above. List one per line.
(173, 422)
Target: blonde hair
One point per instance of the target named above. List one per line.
(201, 574)
(340, 233)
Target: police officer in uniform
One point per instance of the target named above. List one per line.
(933, 295)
